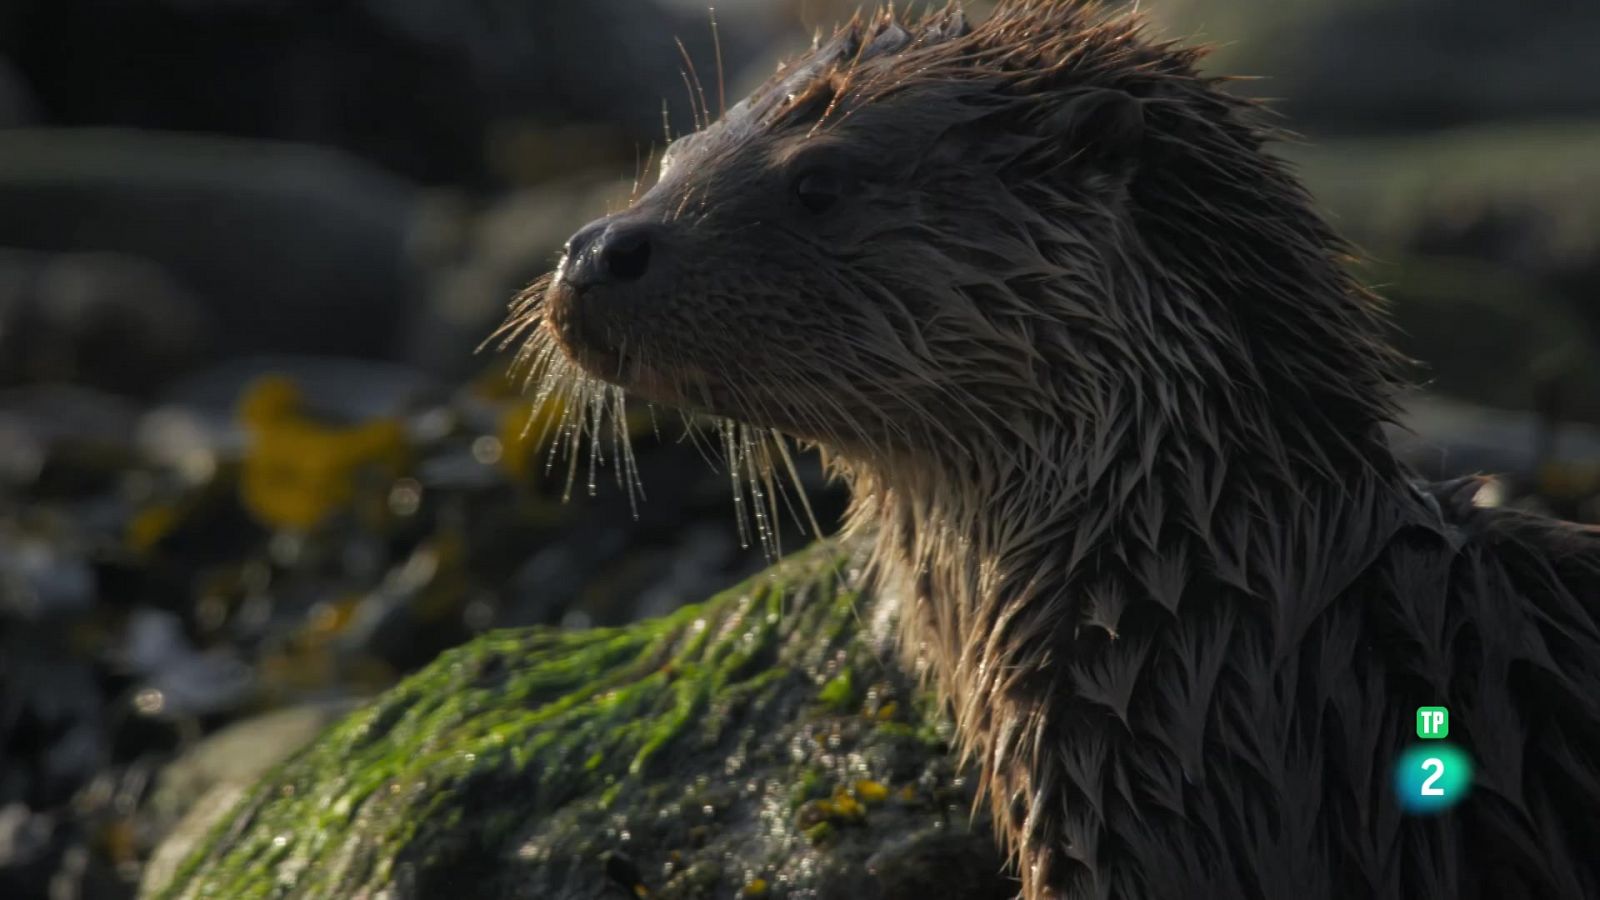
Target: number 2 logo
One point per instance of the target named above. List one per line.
(1432, 778)
(1436, 765)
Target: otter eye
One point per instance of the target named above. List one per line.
(819, 189)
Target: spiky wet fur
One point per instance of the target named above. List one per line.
(1114, 425)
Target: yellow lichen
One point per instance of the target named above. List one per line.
(846, 807)
(819, 834)
(298, 472)
(149, 525)
(868, 791)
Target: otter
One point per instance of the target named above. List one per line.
(1110, 404)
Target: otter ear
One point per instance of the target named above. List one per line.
(1102, 126)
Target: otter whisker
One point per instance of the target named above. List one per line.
(763, 442)
(716, 42)
(622, 450)
(641, 173)
(704, 117)
(731, 455)
(694, 111)
(758, 480)
(736, 451)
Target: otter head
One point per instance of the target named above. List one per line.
(928, 239)
(1043, 296)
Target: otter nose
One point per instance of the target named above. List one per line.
(609, 252)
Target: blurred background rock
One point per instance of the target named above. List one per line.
(252, 470)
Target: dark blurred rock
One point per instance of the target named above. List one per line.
(52, 725)
(341, 390)
(17, 106)
(63, 439)
(415, 85)
(175, 679)
(526, 50)
(114, 322)
(478, 260)
(287, 248)
(414, 611)
(1539, 463)
(29, 846)
(295, 70)
(1486, 241)
(1400, 65)
(1444, 440)
(42, 577)
(940, 862)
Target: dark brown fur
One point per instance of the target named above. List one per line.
(1111, 405)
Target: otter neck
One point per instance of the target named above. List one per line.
(1017, 571)
(1212, 431)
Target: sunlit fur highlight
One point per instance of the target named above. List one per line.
(1111, 417)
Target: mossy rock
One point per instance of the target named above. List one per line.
(711, 753)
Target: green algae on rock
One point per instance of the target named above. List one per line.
(682, 757)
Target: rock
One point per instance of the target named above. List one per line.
(195, 790)
(62, 439)
(1445, 439)
(287, 248)
(477, 260)
(177, 680)
(106, 320)
(53, 729)
(29, 843)
(341, 390)
(1486, 243)
(1541, 464)
(421, 87)
(43, 577)
(17, 106)
(1376, 65)
(689, 756)
(1400, 190)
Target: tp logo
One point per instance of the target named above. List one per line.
(1433, 723)
(1432, 777)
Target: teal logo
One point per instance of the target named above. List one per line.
(1432, 777)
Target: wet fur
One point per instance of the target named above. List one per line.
(1110, 407)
